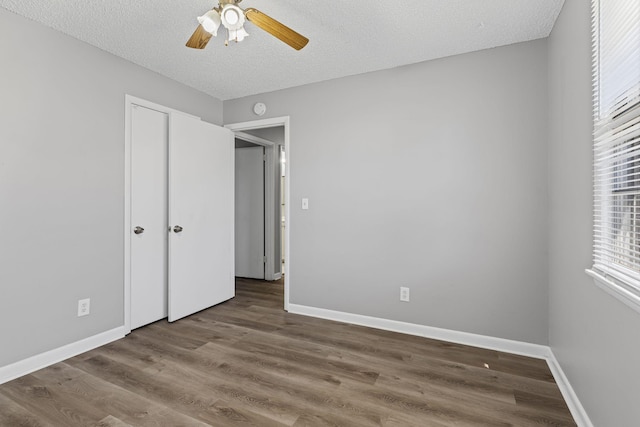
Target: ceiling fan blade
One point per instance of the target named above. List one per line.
(199, 38)
(276, 29)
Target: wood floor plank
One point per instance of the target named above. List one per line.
(552, 405)
(433, 366)
(530, 367)
(262, 383)
(469, 402)
(14, 414)
(477, 404)
(247, 362)
(115, 401)
(459, 374)
(111, 421)
(42, 400)
(284, 367)
(179, 393)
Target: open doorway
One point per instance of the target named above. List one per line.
(273, 135)
(251, 239)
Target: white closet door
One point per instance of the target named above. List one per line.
(201, 205)
(149, 139)
(249, 212)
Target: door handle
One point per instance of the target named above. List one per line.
(138, 230)
(177, 229)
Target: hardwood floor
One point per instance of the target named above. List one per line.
(247, 362)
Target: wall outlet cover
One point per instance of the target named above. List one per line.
(84, 307)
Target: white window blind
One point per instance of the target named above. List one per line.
(616, 83)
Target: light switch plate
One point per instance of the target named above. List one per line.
(305, 204)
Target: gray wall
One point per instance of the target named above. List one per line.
(431, 176)
(61, 182)
(594, 336)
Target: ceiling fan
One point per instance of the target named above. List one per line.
(232, 17)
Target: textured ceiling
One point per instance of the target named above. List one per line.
(347, 37)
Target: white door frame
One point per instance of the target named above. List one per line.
(129, 102)
(269, 123)
(269, 201)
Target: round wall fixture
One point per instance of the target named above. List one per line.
(259, 108)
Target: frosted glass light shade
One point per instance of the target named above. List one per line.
(232, 17)
(210, 21)
(238, 35)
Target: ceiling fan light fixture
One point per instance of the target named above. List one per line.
(210, 21)
(232, 17)
(237, 35)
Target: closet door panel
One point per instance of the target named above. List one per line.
(201, 215)
(149, 164)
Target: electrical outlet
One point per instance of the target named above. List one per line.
(84, 307)
(404, 294)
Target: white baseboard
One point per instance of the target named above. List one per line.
(492, 343)
(570, 397)
(42, 360)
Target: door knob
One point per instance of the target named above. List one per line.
(177, 229)
(138, 230)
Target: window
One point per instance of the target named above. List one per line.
(616, 94)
